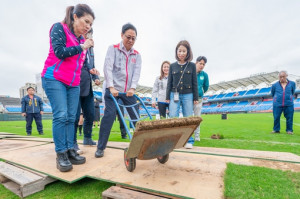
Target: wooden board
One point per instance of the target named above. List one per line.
(185, 174)
(10, 145)
(118, 145)
(36, 139)
(115, 192)
(22, 181)
(176, 177)
(20, 176)
(12, 136)
(269, 155)
(279, 156)
(5, 133)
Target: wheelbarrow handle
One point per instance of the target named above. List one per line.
(122, 93)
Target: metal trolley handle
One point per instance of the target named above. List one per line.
(132, 106)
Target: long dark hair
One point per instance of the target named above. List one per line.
(80, 10)
(161, 69)
(186, 44)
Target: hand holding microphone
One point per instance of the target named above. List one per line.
(89, 42)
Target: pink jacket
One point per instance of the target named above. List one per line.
(66, 70)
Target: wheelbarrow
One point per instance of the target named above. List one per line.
(155, 138)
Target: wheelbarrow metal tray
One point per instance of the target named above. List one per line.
(153, 139)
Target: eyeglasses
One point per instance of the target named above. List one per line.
(130, 38)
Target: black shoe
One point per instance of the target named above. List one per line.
(63, 164)
(99, 153)
(123, 134)
(88, 141)
(41, 133)
(75, 158)
(28, 134)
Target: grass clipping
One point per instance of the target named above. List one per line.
(167, 123)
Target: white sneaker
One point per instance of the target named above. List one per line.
(188, 146)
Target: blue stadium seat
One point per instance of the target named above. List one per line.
(251, 92)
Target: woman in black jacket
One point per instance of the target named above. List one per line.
(182, 84)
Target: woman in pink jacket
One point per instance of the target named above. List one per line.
(61, 78)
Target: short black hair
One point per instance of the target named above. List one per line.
(128, 26)
(201, 58)
(30, 88)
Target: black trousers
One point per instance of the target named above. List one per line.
(110, 115)
(86, 103)
(162, 107)
(38, 120)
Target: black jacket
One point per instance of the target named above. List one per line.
(188, 83)
(86, 77)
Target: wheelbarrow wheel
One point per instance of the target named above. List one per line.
(163, 159)
(130, 163)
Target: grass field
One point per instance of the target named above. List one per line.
(240, 131)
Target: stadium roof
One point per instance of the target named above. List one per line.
(255, 80)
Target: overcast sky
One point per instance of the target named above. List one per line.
(238, 37)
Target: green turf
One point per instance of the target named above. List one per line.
(240, 131)
(249, 131)
(245, 182)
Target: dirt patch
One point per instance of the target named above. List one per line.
(167, 123)
(285, 166)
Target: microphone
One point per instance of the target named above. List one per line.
(90, 36)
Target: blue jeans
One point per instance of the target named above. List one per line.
(86, 103)
(187, 104)
(288, 112)
(64, 102)
(110, 116)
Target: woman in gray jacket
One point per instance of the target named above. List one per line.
(159, 89)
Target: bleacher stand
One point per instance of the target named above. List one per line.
(11, 104)
(253, 99)
(2, 109)
(297, 104)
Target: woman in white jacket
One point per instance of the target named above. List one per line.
(159, 89)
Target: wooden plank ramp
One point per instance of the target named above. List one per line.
(115, 192)
(22, 181)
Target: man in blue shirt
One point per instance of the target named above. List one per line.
(32, 107)
(283, 101)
